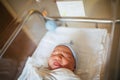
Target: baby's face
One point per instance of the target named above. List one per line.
(61, 57)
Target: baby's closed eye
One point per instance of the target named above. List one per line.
(67, 55)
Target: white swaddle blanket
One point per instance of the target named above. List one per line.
(31, 72)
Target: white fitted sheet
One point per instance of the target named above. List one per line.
(90, 45)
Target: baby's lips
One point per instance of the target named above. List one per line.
(57, 64)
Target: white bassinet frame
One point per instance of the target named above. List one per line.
(63, 19)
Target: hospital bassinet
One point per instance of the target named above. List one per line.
(29, 43)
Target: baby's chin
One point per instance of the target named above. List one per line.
(55, 67)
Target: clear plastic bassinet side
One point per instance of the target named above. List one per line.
(31, 33)
(24, 40)
(97, 74)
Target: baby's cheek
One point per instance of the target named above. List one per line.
(50, 60)
(65, 62)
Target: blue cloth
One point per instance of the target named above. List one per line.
(50, 25)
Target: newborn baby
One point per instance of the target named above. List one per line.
(62, 56)
(61, 65)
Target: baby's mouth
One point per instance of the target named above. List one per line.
(57, 64)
